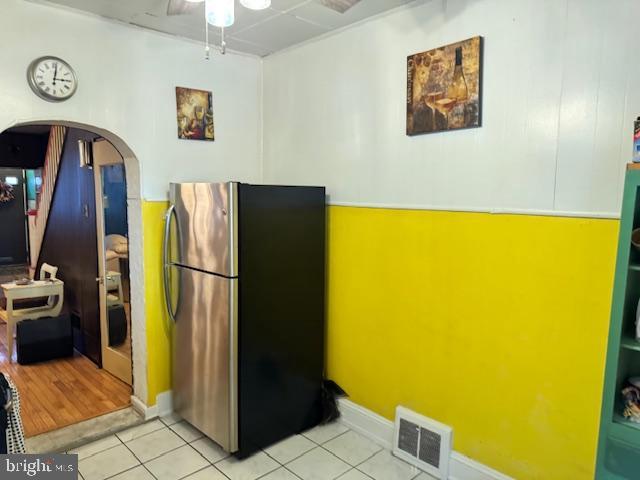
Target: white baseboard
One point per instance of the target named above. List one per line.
(164, 402)
(163, 406)
(380, 430)
(367, 423)
(145, 411)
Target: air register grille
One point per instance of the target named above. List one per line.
(430, 447)
(408, 437)
(423, 442)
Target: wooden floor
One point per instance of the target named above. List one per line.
(62, 392)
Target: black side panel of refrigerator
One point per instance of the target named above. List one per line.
(281, 313)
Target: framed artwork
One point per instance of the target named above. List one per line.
(194, 114)
(444, 88)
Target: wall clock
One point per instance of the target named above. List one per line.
(52, 79)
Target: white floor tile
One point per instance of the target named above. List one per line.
(187, 432)
(384, 466)
(318, 464)
(140, 430)
(324, 433)
(250, 468)
(138, 473)
(170, 419)
(155, 444)
(290, 448)
(425, 476)
(210, 450)
(107, 463)
(177, 464)
(210, 473)
(280, 474)
(95, 447)
(352, 447)
(354, 475)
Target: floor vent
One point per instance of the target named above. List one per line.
(422, 442)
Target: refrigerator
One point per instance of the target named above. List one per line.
(244, 278)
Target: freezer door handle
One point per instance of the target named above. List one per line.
(167, 265)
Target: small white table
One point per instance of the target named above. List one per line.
(54, 289)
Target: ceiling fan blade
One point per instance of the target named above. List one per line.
(339, 6)
(180, 7)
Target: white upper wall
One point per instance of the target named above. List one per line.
(561, 91)
(127, 79)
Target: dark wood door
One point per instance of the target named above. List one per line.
(70, 243)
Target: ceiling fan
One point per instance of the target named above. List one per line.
(182, 7)
(220, 13)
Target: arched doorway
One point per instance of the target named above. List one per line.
(136, 271)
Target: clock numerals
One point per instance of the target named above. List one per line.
(52, 79)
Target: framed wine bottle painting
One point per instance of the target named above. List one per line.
(444, 88)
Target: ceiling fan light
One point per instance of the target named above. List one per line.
(219, 13)
(256, 4)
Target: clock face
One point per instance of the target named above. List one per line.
(52, 79)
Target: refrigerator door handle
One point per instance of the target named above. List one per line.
(167, 264)
(233, 367)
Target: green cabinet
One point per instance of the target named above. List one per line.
(619, 441)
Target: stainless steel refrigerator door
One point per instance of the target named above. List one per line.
(206, 226)
(205, 355)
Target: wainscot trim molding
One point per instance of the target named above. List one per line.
(494, 211)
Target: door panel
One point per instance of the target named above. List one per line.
(70, 243)
(113, 260)
(281, 335)
(204, 354)
(205, 226)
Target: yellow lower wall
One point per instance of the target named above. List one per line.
(158, 344)
(493, 324)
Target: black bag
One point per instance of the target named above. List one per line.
(44, 339)
(117, 325)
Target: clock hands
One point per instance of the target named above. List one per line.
(63, 80)
(55, 74)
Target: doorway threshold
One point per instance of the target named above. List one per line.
(67, 438)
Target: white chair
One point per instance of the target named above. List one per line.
(51, 271)
(114, 283)
(48, 269)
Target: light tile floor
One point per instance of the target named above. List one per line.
(171, 449)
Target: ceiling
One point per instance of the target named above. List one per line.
(263, 32)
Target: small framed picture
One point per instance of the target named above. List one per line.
(194, 114)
